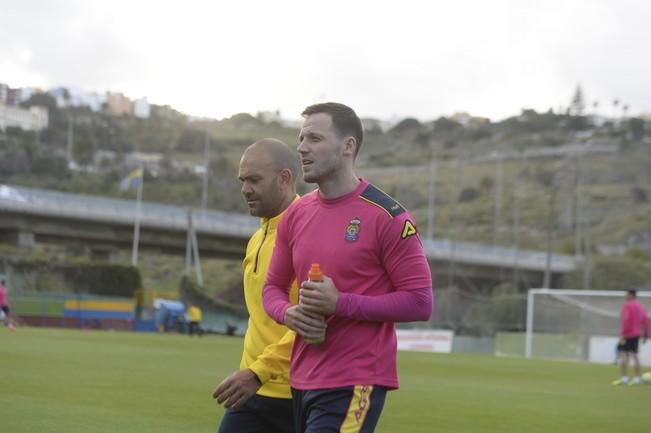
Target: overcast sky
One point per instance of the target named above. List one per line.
(384, 58)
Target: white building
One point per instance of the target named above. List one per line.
(81, 98)
(150, 161)
(102, 157)
(76, 97)
(26, 93)
(61, 96)
(33, 119)
(141, 108)
(270, 116)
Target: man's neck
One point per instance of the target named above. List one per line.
(286, 201)
(338, 187)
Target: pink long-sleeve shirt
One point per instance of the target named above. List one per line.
(634, 320)
(3, 296)
(368, 244)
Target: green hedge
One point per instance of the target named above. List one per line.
(91, 278)
(103, 279)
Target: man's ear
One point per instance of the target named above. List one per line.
(286, 177)
(350, 145)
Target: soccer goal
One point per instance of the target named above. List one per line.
(577, 324)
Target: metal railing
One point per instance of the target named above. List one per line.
(118, 211)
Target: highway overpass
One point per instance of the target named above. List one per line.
(104, 225)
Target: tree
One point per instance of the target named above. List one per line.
(577, 106)
(468, 194)
(444, 126)
(41, 100)
(639, 195)
(192, 140)
(406, 125)
(84, 146)
(636, 126)
(612, 273)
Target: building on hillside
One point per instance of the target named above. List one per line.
(81, 98)
(468, 120)
(188, 167)
(32, 119)
(4, 93)
(270, 116)
(94, 100)
(61, 95)
(26, 93)
(75, 97)
(141, 108)
(118, 104)
(150, 161)
(13, 97)
(104, 157)
(372, 124)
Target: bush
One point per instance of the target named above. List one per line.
(103, 279)
(96, 279)
(468, 194)
(639, 195)
(639, 254)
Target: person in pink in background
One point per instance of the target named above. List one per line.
(4, 304)
(375, 274)
(634, 324)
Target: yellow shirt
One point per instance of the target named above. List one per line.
(194, 314)
(267, 345)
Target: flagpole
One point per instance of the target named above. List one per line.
(136, 226)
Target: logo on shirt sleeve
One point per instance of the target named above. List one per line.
(352, 231)
(408, 229)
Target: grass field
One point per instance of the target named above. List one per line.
(63, 381)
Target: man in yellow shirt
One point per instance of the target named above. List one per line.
(194, 317)
(258, 396)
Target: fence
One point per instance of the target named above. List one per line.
(72, 310)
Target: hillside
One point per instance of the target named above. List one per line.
(535, 180)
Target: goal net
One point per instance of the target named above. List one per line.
(577, 324)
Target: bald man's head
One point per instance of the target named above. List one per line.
(268, 170)
(275, 152)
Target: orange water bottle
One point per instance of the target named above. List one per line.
(315, 274)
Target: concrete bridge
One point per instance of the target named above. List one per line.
(104, 225)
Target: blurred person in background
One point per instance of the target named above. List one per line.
(634, 323)
(4, 305)
(194, 320)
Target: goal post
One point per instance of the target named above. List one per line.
(562, 323)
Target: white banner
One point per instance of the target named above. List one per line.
(425, 340)
(602, 350)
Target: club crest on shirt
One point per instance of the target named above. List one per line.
(352, 231)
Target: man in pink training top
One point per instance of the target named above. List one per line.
(4, 303)
(375, 274)
(634, 323)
